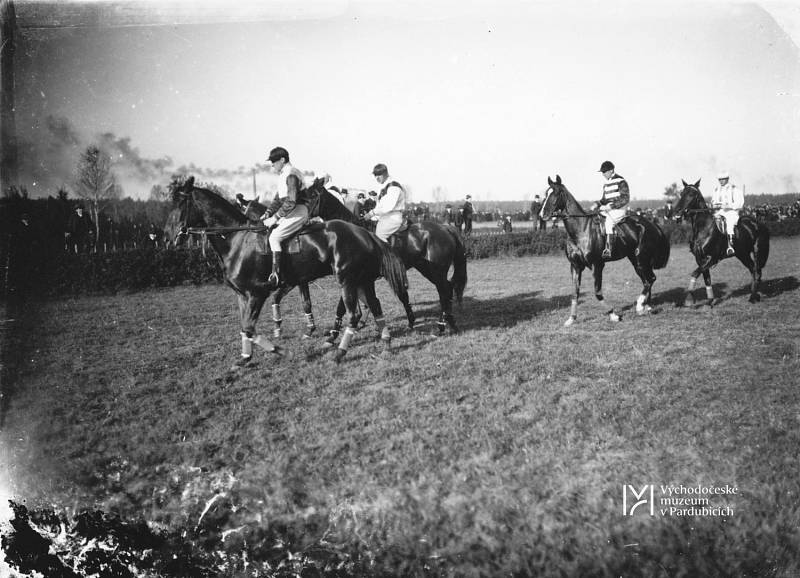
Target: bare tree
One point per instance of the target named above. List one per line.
(96, 182)
(672, 192)
(159, 193)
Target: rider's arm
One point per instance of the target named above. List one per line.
(293, 186)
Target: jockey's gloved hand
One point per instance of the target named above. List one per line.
(240, 199)
(270, 221)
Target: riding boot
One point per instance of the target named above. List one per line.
(730, 251)
(275, 276)
(607, 250)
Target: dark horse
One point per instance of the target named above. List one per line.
(355, 256)
(429, 247)
(641, 241)
(709, 245)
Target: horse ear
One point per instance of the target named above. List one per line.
(549, 181)
(558, 179)
(188, 185)
(685, 184)
(697, 184)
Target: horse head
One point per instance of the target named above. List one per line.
(555, 199)
(324, 205)
(690, 199)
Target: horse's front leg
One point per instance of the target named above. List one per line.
(702, 263)
(249, 310)
(277, 317)
(577, 271)
(333, 334)
(305, 293)
(709, 287)
(598, 289)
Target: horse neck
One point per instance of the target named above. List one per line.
(576, 220)
(330, 208)
(216, 211)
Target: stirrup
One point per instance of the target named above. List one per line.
(730, 252)
(273, 279)
(607, 252)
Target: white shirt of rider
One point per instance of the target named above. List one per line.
(728, 196)
(393, 201)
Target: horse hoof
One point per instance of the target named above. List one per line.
(644, 311)
(755, 298)
(613, 317)
(340, 353)
(569, 322)
(242, 362)
(276, 350)
(309, 333)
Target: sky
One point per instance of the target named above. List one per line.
(457, 98)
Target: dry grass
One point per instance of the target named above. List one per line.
(500, 450)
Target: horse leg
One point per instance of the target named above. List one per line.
(350, 299)
(598, 289)
(305, 293)
(249, 310)
(277, 318)
(333, 334)
(755, 275)
(445, 290)
(377, 312)
(645, 273)
(576, 271)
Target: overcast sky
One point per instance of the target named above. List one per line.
(478, 98)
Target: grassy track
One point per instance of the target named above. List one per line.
(503, 449)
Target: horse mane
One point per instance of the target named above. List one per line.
(340, 210)
(227, 207)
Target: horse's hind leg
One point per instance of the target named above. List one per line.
(647, 277)
(598, 289)
(755, 275)
(377, 312)
(305, 293)
(350, 300)
(333, 334)
(445, 290)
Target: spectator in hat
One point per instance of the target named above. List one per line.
(467, 210)
(448, 216)
(390, 206)
(536, 208)
(613, 203)
(80, 231)
(727, 200)
(361, 200)
(288, 212)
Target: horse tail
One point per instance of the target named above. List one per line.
(393, 270)
(662, 254)
(761, 245)
(459, 279)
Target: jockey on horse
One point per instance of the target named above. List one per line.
(616, 196)
(727, 201)
(288, 211)
(388, 211)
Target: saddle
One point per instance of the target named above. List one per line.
(395, 238)
(292, 244)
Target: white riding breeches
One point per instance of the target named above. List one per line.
(731, 217)
(613, 216)
(288, 226)
(388, 224)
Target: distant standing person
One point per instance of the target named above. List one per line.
(391, 204)
(536, 207)
(467, 211)
(727, 201)
(80, 231)
(612, 205)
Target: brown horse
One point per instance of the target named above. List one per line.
(709, 245)
(643, 243)
(427, 246)
(355, 256)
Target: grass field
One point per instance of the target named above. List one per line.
(501, 450)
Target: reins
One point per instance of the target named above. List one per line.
(224, 230)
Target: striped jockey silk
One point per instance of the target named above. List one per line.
(616, 192)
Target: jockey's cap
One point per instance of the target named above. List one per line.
(723, 175)
(380, 169)
(373, 194)
(277, 154)
(606, 166)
